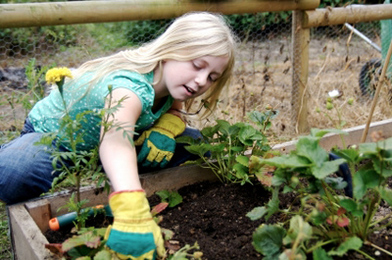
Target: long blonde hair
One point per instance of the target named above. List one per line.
(190, 36)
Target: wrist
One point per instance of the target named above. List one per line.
(124, 191)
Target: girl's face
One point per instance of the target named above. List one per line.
(189, 79)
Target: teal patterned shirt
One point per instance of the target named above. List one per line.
(80, 97)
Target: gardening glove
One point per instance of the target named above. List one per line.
(134, 233)
(158, 143)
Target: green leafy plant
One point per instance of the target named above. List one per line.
(187, 252)
(226, 145)
(173, 198)
(35, 83)
(326, 222)
(75, 164)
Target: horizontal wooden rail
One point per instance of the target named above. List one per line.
(57, 13)
(349, 14)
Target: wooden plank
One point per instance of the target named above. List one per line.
(353, 136)
(300, 59)
(167, 179)
(27, 240)
(75, 12)
(40, 213)
(348, 14)
(175, 178)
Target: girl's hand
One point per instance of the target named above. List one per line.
(134, 233)
(158, 142)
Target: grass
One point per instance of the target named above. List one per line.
(5, 244)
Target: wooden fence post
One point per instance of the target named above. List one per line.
(300, 62)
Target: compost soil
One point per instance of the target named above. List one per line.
(214, 216)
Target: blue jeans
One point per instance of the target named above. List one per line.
(26, 169)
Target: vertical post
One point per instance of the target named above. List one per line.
(300, 62)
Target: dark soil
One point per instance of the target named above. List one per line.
(213, 215)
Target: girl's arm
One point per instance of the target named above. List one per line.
(131, 210)
(117, 154)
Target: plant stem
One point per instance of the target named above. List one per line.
(321, 244)
(364, 254)
(377, 247)
(370, 213)
(380, 220)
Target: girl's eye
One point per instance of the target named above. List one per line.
(196, 66)
(211, 79)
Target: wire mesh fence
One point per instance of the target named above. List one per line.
(263, 72)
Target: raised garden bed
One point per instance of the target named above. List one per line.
(29, 220)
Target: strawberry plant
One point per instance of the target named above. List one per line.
(326, 222)
(227, 144)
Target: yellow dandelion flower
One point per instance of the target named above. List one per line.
(56, 75)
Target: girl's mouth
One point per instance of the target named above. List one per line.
(191, 91)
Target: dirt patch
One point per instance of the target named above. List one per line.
(214, 216)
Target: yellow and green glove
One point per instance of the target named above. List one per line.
(134, 233)
(158, 143)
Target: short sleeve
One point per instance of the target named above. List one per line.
(137, 83)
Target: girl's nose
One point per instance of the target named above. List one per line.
(201, 79)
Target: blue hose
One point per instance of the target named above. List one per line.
(345, 173)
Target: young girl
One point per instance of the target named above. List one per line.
(194, 56)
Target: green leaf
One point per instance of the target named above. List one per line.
(223, 127)
(349, 204)
(241, 171)
(381, 167)
(320, 254)
(321, 132)
(216, 149)
(287, 161)
(87, 239)
(350, 155)
(386, 194)
(209, 131)
(257, 213)
(273, 204)
(83, 258)
(172, 197)
(299, 230)
(198, 149)
(368, 148)
(363, 180)
(103, 255)
(309, 147)
(248, 135)
(353, 243)
(237, 149)
(318, 217)
(326, 168)
(242, 159)
(267, 240)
